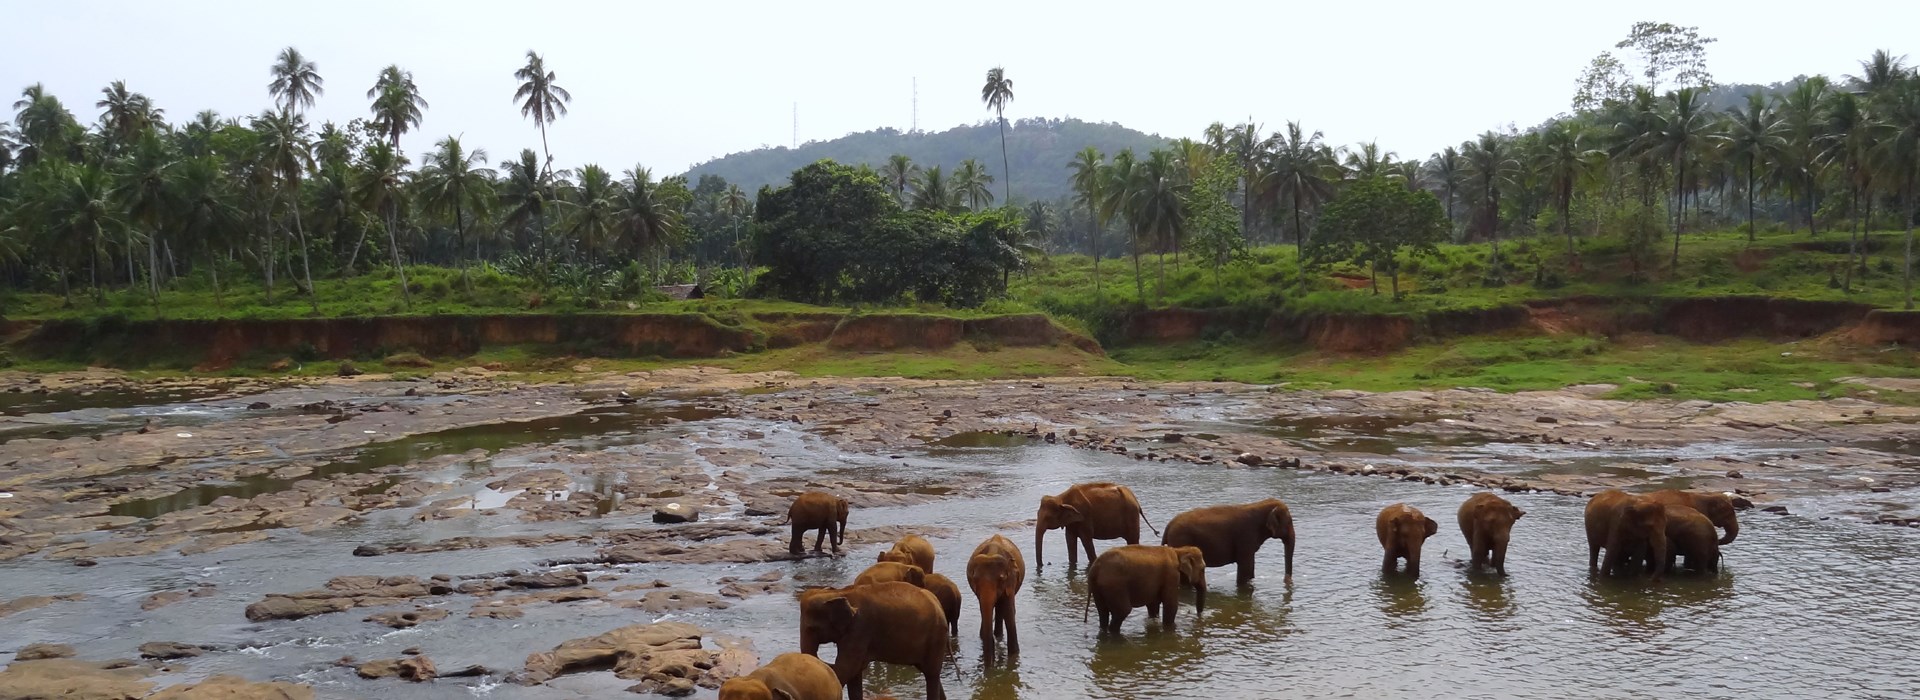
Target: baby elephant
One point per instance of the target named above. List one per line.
(1403, 529)
(892, 571)
(789, 676)
(815, 510)
(1691, 533)
(1132, 576)
(1486, 520)
(912, 549)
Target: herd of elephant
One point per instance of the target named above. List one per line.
(898, 611)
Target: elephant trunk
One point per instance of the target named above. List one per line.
(1039, 537)
(1288, 541)
(1199, 600)
(1733, 530)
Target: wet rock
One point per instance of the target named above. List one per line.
(347, 369)
(36, 601)
(1735, 474)
(1250, 459)
(1777, 510)
(674, 513)
(417, 669)
(553, 579)
(84, 563)
(1881, 489)
(167, 651)
(285, 608)
(475, 671)
(370, 550)
(234, 688)
(674, 600)
(737, 589)
(1172, 437)
(408, 618)
(1742, 503)
(76, 680)
(259, 406)
(1545, 419)
(36, 652)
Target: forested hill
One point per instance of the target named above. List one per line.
(1037, 152)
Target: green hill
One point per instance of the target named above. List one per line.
(1037, 153)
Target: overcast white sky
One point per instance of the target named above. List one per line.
(670, 84)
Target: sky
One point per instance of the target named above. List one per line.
(670, 85)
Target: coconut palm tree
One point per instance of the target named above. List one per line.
(1490, 165)
(80, 215)
(972, 183)
(898, 174)
(1088, 166)
(1847, 147)
(1119, 190)
(1300, 172)
(397, 105)
(1565, 158)
(1039, 222)
(541, 98)
(1685, 133)
(196, 137)
(143, 194)
(996, 94)
(1755, 140)
(288, 158)
(1368, 161)
(1449, 172)
(1802, 112)
(1159, 206)
(934, 192)
(125, 114)
(526, 194)
(456, 181)
(1881, 72)
(203, 210)
(381, 189)
(296, 81)
(1245, 146)
(1899, 159)
(45, 128)
(593, 210)
(648, 219)
(735, 202)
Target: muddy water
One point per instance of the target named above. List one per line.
(1804, 608)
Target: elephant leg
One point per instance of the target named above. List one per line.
(988, 621)
(999, 626)
(1500, 557)
(853, 688)
(932, 673)
(1073, 553)
(1086, 540)
(1169, 606)
(1119, 617)
(821, 538)
(1013, 629)
(1244, 570)
(1593, 556)
(1153, 610)
(1612, 563)
(793, 544)
(1387, 563)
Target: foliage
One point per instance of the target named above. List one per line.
(1373, 222)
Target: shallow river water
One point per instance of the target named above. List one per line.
(1803, 608)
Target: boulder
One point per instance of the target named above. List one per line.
(563, 578)
(675, 513)
(167, 651)
(276, 607)
(413, 668)
(1250, 459)
(74, 680)
(37, 652)
(259, 406)
(234, 688)
(608, 650)
(347, 369)
(404, 619)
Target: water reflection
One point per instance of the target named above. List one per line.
(1153, 662)
(1001, 682)
(1488, 595)
(1400, 597)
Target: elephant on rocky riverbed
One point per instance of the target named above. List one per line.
(894, 622)
(1133, 576)
(1486, 521)
(815, 510)
(1402, 530)
(1718, 507)
(912, 549)
(1088, 512)
(1233, 534)
(1690, 533)
(789, 676)
(1631, 528)
(995, 572)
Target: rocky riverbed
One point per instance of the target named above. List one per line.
(238, 538)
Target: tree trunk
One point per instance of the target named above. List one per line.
(1853, 241)
(1162, 271)
(1679, 212)
(1813, 204)
(1373, 276)
(219, 299)
(1906, 270)
(153, 272)
(393, 241)
(1566, 228)
(1093, 242)
(1750, 235)
(1006, 172)
(460, 246)
(1139, 283)
(306, 256)
(267, 263)
(354, 256)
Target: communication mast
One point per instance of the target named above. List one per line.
(916, 105)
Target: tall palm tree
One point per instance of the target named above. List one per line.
(934, 192)
(1565, 158)
(1490, 165)
(1039, 220)
(203, 209)
(898, 173)
(1367, 161)
(648, 220)
(1158, 204)
(456, 181)
(1245, 146)
(1686, 133)
(397, 105)
(1119, 190)
(526, 193)
(1881, 72)
(541, 98)
(80, 214)
(972, 183)
(594, 207)
(1899, 158)
(1848, 145)
(125, 114)
(197, 135)
(45, 128)
(1449, 172)
(143, 194)
(1300, 172)
(1755, 140)
(296, 81)
(1802, 112)
(735, 202)
(1087, 166)
(997, 93)
(288, 158)
(381, 189)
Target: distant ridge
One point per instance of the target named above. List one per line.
(1037, 150)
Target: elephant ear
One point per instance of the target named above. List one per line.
(1433, 528)
(1279, 521)
(1517, 513)
(839, 613)
(916, 577)
(840, 508)
(779, 694)
(1193, 565)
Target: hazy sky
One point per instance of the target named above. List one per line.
(672, 84)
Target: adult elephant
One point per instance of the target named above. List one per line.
(1718, 508)
(1233, 534)
(1403, 530)
(789, 676)
(1133, 576)
(1691, 534)
(1631, 528)
(816, 510)
(995, 572)
(893, 622)
(892, 571)
(1088, 512)
(1486, 521)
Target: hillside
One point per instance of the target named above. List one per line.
(1037, 153)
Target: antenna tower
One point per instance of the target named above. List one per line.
(916, 105)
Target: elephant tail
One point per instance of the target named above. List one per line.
(1088, 606)
(1143, 518)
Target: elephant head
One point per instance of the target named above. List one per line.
(1718, 507)
(826, 617)
(896, 556)
(1193, 572)
(1054, 514)
(1280, 527)
(750, 688)
(1410, 534)
(1647, 518)
(840, 533)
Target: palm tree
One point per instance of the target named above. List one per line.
(1087, 167)
(525, 192)
(1244, 144)
(1881, 72)
(1899, 157)
(397, 105)
(594, 207)
(933, 192)
(898, 174)
(1754, 140)
(997, 93)
(1848, 145)
(1119, 189)
(197, 135)
(1449, 172)
(144, 196)
(296, 81)
(381, 190)
(80, 210)
(1802, 111)
(455, 180)
(1158, 206)
(1564, 158)
(125, 115)
(1039, 220)
(1490, 165)
(648, 218)
(45, 128)
(1299, 172)
(735, 202)
(1368, 162)
(972, 183)
(1686, 132)
(288, 158)
(203, 209)
(541, 99)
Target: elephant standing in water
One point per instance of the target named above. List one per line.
(1691, 534)
(894, 622)
(995, 572)
(892, 571)
(815, 510)
(1402, 530)
(1631, 528)
(1133, 576)
(1718, 508)
(1233, 534)
(912, 549)
(789, 676)
(1088, 512)
(1486, 521)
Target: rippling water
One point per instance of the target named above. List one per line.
(1803, 608)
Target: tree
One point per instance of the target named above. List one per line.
(972, 183)
(525, 193)
(1754, 142)
(397, 105)
(1802, 114)
(933, 192)
(143, 195)
(1670, 51)
(1119, 188)
(541, 98)
(296, 81)
(899, 173)
(735, 202)
(647, 220)
(1300, 173)
(997, 93)
(125, 115)
(456, 181)
(1881, 72)
(380, 190)
(1490, 165)
(1159, 208)
(288, 158)
(1565, 159)
(1088, 167)
(1847, 146)
(1899, 157)
(593, 210)
(1210, 218)
(1685, 132)
(1368, 161)
(202, 206)
(1373, 221)
(1604, 80)
(1449, 172)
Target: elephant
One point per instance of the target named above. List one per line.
(994, 573)
(1233, 534)
(895, 622)
(1402, 530)
(1486, 521)
(949, 594)
(789, 676)
(815, 510)
(1690, 533)
(892, 571)
(1630, 528)
(912, 549)
(1149, 576)
(1718, 507)
(1096, 511)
